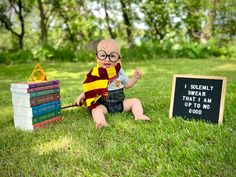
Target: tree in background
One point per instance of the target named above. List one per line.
(192, 16)
(45, 9)
(156, 17)
(199, 18)
(205, 20)
(77, 22)
(226, 20)
(209, 26)
(12, 12)
(126, 13)
(110, 22)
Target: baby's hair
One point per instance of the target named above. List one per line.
(104, 43)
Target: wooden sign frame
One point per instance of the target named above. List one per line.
(222, 96)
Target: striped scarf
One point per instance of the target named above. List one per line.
(96, 82)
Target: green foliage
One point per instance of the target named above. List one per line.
(174, 49)
(85, 55)
(46, 53)
(5, 57)
(148, 50)
(50, 53)
(157, 18)
(19, 56)
(194, 50)
(232, 48)
(22, 56)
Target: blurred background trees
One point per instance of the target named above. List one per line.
(66, 29)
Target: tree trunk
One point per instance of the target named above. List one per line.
(43, 24)
(107, 18)
(8, 25)
(21, 36)
(68, 29)
(209, 27)
(128, 23)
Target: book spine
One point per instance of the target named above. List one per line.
(45, 108)
(30, 102)
(42, 88)
(37, 110)
(45, 92)
(46, 116)
(36, 89)
(46, 122)
(44, 99)
(43, 83)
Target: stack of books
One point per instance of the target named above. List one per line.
(35, 104)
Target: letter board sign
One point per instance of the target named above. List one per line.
(198, 97)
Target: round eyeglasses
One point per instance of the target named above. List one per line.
(113, 56)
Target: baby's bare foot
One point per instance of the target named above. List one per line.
(101, 125)
(142, 117)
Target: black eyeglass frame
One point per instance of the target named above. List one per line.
(119, 57)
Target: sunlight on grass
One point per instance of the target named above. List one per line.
(8, 82)
(125, 125)
(62, 144)
(225, 67)
(59, 74)
(6, 109)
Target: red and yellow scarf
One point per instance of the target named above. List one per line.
(96, 82)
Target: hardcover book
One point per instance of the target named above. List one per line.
(46, 122)
(46, 116)
(35, 89)
(35, 94)
(33, 84)
(23, 122)
(30, 126)
(37, 110)
(36, 103)
(30, 102)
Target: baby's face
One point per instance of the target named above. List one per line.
(106, 49)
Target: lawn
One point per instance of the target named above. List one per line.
(162, 147)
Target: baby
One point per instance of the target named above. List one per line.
(103, 87)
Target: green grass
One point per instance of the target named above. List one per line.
(162, 147)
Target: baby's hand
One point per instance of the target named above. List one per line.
(79, 101)
(137, 73)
